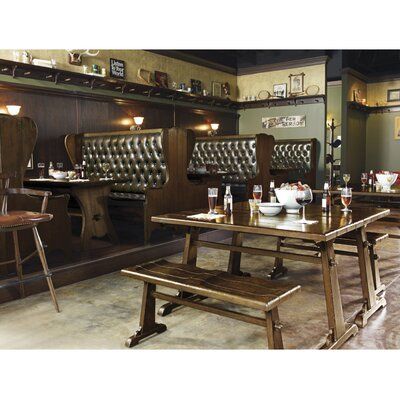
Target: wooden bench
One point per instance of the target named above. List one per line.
(349, 239)
(255, 293)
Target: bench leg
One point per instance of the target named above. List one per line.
(279, 269)
(148, 325)
(274, 327)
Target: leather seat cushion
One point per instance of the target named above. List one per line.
(19, 218)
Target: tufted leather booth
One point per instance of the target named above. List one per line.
(232, 153)
(297, 157)
(136, 157)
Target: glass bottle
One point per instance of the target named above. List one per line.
(51, 169)
(326, 199)
(228, 201)
(271, 193)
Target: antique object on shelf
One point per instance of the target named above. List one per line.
(296, 82)
(263, 95)
(280, 90)
(195, 86)
(17, 220)
(226, 89)
(254, 293)
(44, 63)
(312, 90)
(393, 95)
(216, 89)
(161, 79)
(75, 56)
(322, 234)
(145, 76)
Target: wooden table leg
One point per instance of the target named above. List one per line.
(372, 302)
(190, 258)
(235, 257)
(339, 331)
(96, 221)
(279, 269)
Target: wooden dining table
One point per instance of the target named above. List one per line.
(92, 198)
(323, 233)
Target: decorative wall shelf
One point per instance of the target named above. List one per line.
(372, 109)
(288, 101)
(57, 76)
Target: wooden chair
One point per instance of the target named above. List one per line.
(254, 293)
(14, 221)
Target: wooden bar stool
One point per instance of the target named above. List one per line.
(14, 221)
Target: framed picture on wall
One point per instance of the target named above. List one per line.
(397, 128)
(393, 95)
(296, 84)
(280, 90)
(216, 89)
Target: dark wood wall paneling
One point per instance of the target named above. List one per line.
(57, 115)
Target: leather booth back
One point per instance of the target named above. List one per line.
(231, 153)
(135, 156)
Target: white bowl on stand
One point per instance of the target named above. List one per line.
(287, 198)
(386, 180)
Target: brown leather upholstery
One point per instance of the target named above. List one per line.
(137, 157)
(298, 157)
(21, 218)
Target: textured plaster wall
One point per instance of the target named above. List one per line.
(377, 92)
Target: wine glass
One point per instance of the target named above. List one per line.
(212, 200)
(257, 192)
(364, 179)
(105, 167)
(41, 167)
(346, 179)
(304, 197)
(346, 196)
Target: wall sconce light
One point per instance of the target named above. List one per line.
(13, 110)
(214, 129)
(138, 123)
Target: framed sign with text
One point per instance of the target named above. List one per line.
(117, 68)
(292, 121)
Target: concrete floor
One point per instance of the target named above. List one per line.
(101, 313)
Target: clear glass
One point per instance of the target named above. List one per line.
(60, 166)
(257, 192)
(346, 196)
(105, 167)
(364, 179)
(304, 197)
(346, 179)
(254, 205)
(212, 200)
(41, 168)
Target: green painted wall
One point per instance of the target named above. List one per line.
(334, 110)
(250, 123)
(382, 150)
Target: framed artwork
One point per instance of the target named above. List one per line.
(161, 79)
(393, 95)
(195, 85)
(117, 68)
(216, 89)
(397, 128)
(296, 82)
(280, 90)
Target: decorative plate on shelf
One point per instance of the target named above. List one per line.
(264, 95)
(312, 90)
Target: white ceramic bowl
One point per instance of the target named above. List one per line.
(386, 180)
(270, 208)
(60, 174)
(288, 199)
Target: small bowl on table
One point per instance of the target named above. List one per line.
(270, 209)
(60, 175)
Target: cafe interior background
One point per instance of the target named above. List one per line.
(138, 123)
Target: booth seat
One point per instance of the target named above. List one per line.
(246, 157)
(138, 160)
